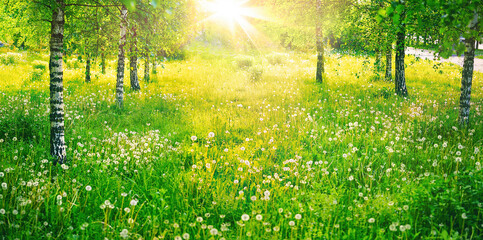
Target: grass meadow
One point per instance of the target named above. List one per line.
(230, 146)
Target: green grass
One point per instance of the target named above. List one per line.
(205, 151)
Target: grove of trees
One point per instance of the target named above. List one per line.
(151, 30)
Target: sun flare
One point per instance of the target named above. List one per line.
(232, 13)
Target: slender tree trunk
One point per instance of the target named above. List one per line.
(57, 130)
(388, 76)
(154, 71)
(146, 67)
(134, 62)
(467, 75)
(378, 61)
(400, 81)
(120, 62)
(103, 63)
(320, 44)
(88, 68)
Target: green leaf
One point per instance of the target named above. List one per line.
(379, 18)
(130, 4)
(389, 10)
(382, 12)
(400, 8)
(396, 19)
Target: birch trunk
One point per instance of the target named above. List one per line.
(88, 68)
(400, 81)
(120, 62)
(467, 75)
(146, 68)
(134, 62)
(320, 44)
(103, 63)
(57, 129)
(388, 76)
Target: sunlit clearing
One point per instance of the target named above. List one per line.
(233, 13)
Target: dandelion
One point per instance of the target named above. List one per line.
(214, 231)
(280, 210)
(124, 233)
(211, 135)
(276, 228)
(4, 185)
(371, 220)
(127, 210)
(2, 211)
(298, 216)
(134, 202)
(351, 178)
(402, 228)
(245, 217)
(291, 223)
(463, 216)
(259, 217)
(199, 219)
(253, 198)
(266, 193)
(186, 236)
(178, 238)
(193, 138)
(88, 188)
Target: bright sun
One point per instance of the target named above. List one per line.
(232, 12)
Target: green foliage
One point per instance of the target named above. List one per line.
(276, 58)
(9, 58)
(256, 72)
(243, 61)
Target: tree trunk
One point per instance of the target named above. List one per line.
(57, 130)
(154, 71)
(388, 76)
(88, 68)
(400, 81)
(134, 62)
(146, 68)
(320, 44)
(467, 75)
(378, 62)
(103, 63)
(120, 62)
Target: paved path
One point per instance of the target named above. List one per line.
(428, 54)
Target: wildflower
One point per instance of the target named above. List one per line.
(259, 217)
(193, 138)
(124, 233)
(298, 216)
(211, 135)
(186, 236)
(199, 219)
(464, 216)
(88, 188)
(2, 211)
(134, 202)
(266, 193)
(351, 178)
(253, 198)
(245, 217)
(276, 228)
(214, 231)
(177, 238)
(127, 210)
(371, 220)
(291, 223)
